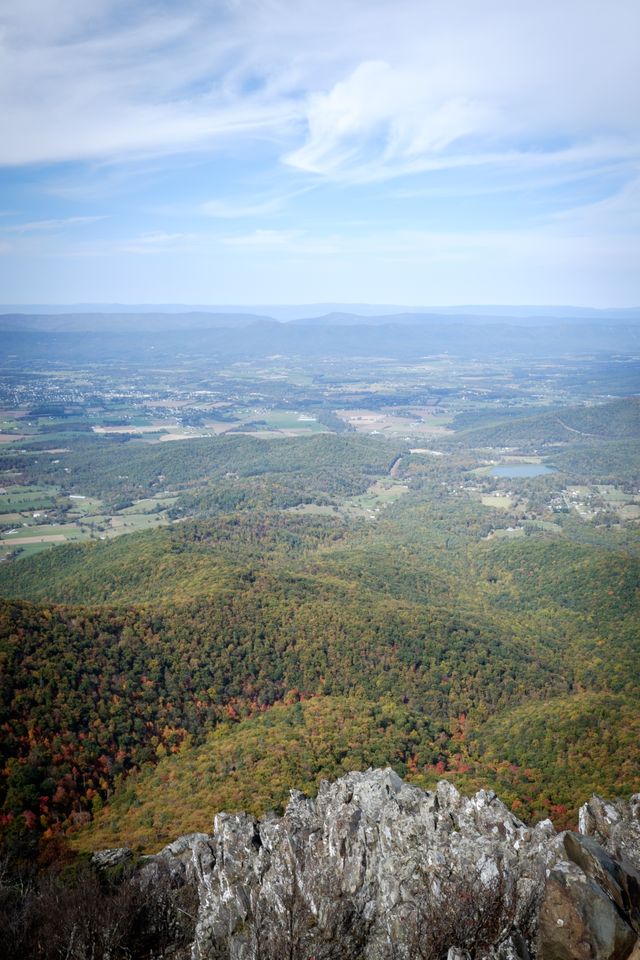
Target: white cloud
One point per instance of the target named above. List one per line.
(121, 80)
(349, 88)
(38, 226)
(482, 84)
(386, 113)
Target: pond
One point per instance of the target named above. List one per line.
(521, 470)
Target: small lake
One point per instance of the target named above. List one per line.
(521, 470)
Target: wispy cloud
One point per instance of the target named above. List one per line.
(350, 90)
(506, 178)
(238, 208)
(618, 213)
(264, 239)
(502, 100)
(123, 81)
(39, 226)
(254, 132)
(151, 243)
(394, 131)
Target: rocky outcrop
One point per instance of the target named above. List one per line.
(376, 869)
(363, 866)
(108, 859)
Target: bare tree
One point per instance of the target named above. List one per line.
(281, 924)
(95, 916)
(468, 911)
(287, 929)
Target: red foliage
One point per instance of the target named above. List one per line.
(30, 819)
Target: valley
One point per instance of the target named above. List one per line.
(434, 566)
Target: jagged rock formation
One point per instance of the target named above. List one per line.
(376, 869)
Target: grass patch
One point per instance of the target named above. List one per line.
(19, 498)
(497, 502)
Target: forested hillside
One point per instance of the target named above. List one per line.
(612, 421)
(323, 463)
(313, 604)
(134, 650)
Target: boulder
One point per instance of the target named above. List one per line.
(175, 862)
(590, 909)
(106, 859)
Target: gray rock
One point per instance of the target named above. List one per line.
(619, 880)
(364, 866)
(578, 921)
(377, 869)
(185, 855)
(514, 948)
(591, 906)
(106, 859)
(613, 824)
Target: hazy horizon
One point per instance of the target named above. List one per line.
(498, 309)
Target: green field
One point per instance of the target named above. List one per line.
(28, 550)
(497, 502)
(380, 494)
(67, 530)
(149, 505)
(510, 533)
(19, 498)
(258, 420)
(82, 505)
(26, 534)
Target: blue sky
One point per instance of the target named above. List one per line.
(286, 151)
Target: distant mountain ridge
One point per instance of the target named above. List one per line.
(245, 337)
(125, 322)
(319, 311)
(343, 319)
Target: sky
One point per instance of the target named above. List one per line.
(287, 151)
